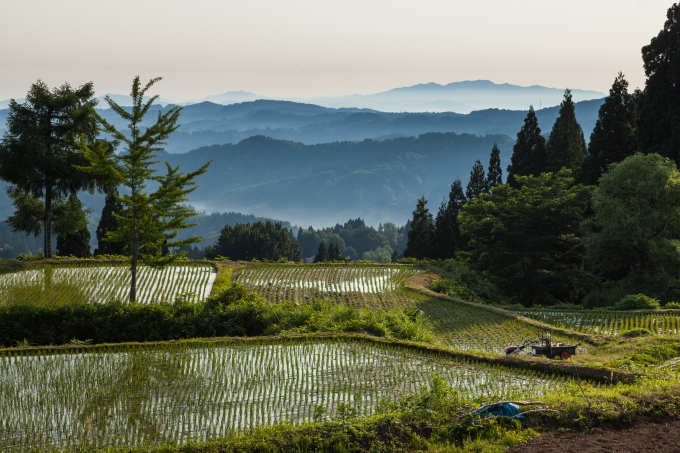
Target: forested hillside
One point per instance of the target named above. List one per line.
(324, 184)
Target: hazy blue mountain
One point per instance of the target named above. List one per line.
(125, 100)
(325, 183)
(208, 123)
(230, 97)
(464, 97)
(5, 104)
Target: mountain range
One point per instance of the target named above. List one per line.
(460, 97)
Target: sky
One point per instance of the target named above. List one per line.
(318, 48)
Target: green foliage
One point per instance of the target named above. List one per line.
(39, 152)
(262, 241)
(108, 222)
(526, 241)
(637, 302)
(355, 240)
(613, 138)
(77, 243)
(566, 147)
(465, 284)
(672, 306)
(529, 156)
(448, 239)
(634, 333)
(658, 120)
(477, 184)
(148, 221)
(421, 235)
(631, 241)
(321, 254)
(494, 175)
(233, 311)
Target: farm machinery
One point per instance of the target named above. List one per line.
(545, 347)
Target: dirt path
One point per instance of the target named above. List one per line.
(644, 436)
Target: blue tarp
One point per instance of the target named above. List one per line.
(501, 410)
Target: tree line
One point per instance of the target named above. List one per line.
(576, 223)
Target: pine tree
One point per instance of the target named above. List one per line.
(658, 124)
(494, 176)
(528, 155)
(321, 254)
(566, 147)
(613, 138)
(477, 184)
(108, 222)
(420, 243)
(39, 152)
(75, 243)
(448, 238)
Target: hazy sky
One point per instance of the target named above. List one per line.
(309, 48)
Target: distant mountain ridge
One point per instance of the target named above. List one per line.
(464, 97)
(207, 123)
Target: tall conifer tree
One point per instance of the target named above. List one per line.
(613, 138)
(566, 147)
(477, 184)
(108, 222)
(448, 238)
(494, 176)
(658, 125)
(420, 243)
(76, 243)
(528, 155)
(39, 151)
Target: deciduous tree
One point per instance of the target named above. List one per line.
(150, 220)
(526, 241)
(631, 240)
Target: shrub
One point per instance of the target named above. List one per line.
(634, 333)
(637, 302)
(672, 306)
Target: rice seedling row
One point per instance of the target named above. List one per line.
(182, 393)
(358, 285)
(457, 325)
(99, 282)
(608, 322)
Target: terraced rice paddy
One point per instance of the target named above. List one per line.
(191, 391)
(380, 287)
(99, 282)
(375, 285)
(608, 322)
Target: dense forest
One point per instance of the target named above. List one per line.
(580, 224)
